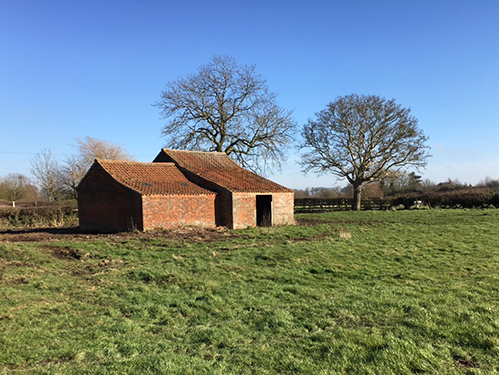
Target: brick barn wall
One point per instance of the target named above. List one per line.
(283, 208)
(223, 203)
(177, 210)
(106, 206)
(243, 210)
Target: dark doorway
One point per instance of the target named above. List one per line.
(264, 210)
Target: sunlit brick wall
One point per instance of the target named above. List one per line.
(178, 210)
(243, 210)
(283, 208)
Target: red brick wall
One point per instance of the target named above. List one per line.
(177, 210)
(106, 206)
(243, 210)
(223, 203)
(283, 205)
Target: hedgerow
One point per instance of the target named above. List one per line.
(464, 198)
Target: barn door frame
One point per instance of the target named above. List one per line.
(264, 210)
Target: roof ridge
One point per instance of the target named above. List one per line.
(100, 161)
(194, 151)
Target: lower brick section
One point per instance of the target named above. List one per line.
(178, 210)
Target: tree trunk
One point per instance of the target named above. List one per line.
(357, 197)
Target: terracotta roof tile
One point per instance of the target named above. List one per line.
(152, 178)
(220, 169)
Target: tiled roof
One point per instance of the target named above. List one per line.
(152, 178)
(220, 169)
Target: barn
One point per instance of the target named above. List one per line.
(179, 188)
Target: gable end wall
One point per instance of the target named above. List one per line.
(106, 206)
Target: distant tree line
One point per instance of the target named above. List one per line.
(408, 185)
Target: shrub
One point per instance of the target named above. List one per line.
(38, 216)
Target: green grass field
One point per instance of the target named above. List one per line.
(400, 292)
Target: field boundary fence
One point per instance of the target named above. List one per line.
(303, 205)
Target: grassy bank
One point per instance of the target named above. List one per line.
(358, 292)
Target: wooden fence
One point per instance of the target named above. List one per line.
(303, 205)
(27, 203)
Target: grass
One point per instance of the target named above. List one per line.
(401, 292)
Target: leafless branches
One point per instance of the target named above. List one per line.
(56, 180)
(47, 172)
(363, 139)
(227, 108)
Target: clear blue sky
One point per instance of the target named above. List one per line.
(70, 69)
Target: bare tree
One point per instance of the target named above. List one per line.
(227, 108)
(489, 182)
(15, 186)
(363, 139)
(72, 173)
(48, 173)
(89, 149)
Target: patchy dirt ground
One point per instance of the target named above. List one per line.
(190, 234)
(74, 234)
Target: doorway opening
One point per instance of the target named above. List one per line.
(264, 210)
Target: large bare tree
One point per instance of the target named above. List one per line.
(363, 138)
(227, 108)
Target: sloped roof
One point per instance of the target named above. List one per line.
(220, 169)
(152, 178)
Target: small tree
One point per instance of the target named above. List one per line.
(48, 173)
(363, 139)
(89, 149)
(402, 183)
(15, 186)
(227, 108)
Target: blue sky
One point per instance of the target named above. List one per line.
(70, 69)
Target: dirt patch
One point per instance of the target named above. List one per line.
(66, 253)
(187, 234)
(465, 363)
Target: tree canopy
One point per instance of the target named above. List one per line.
(16, 186)
(228, 108)
(363, 138)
